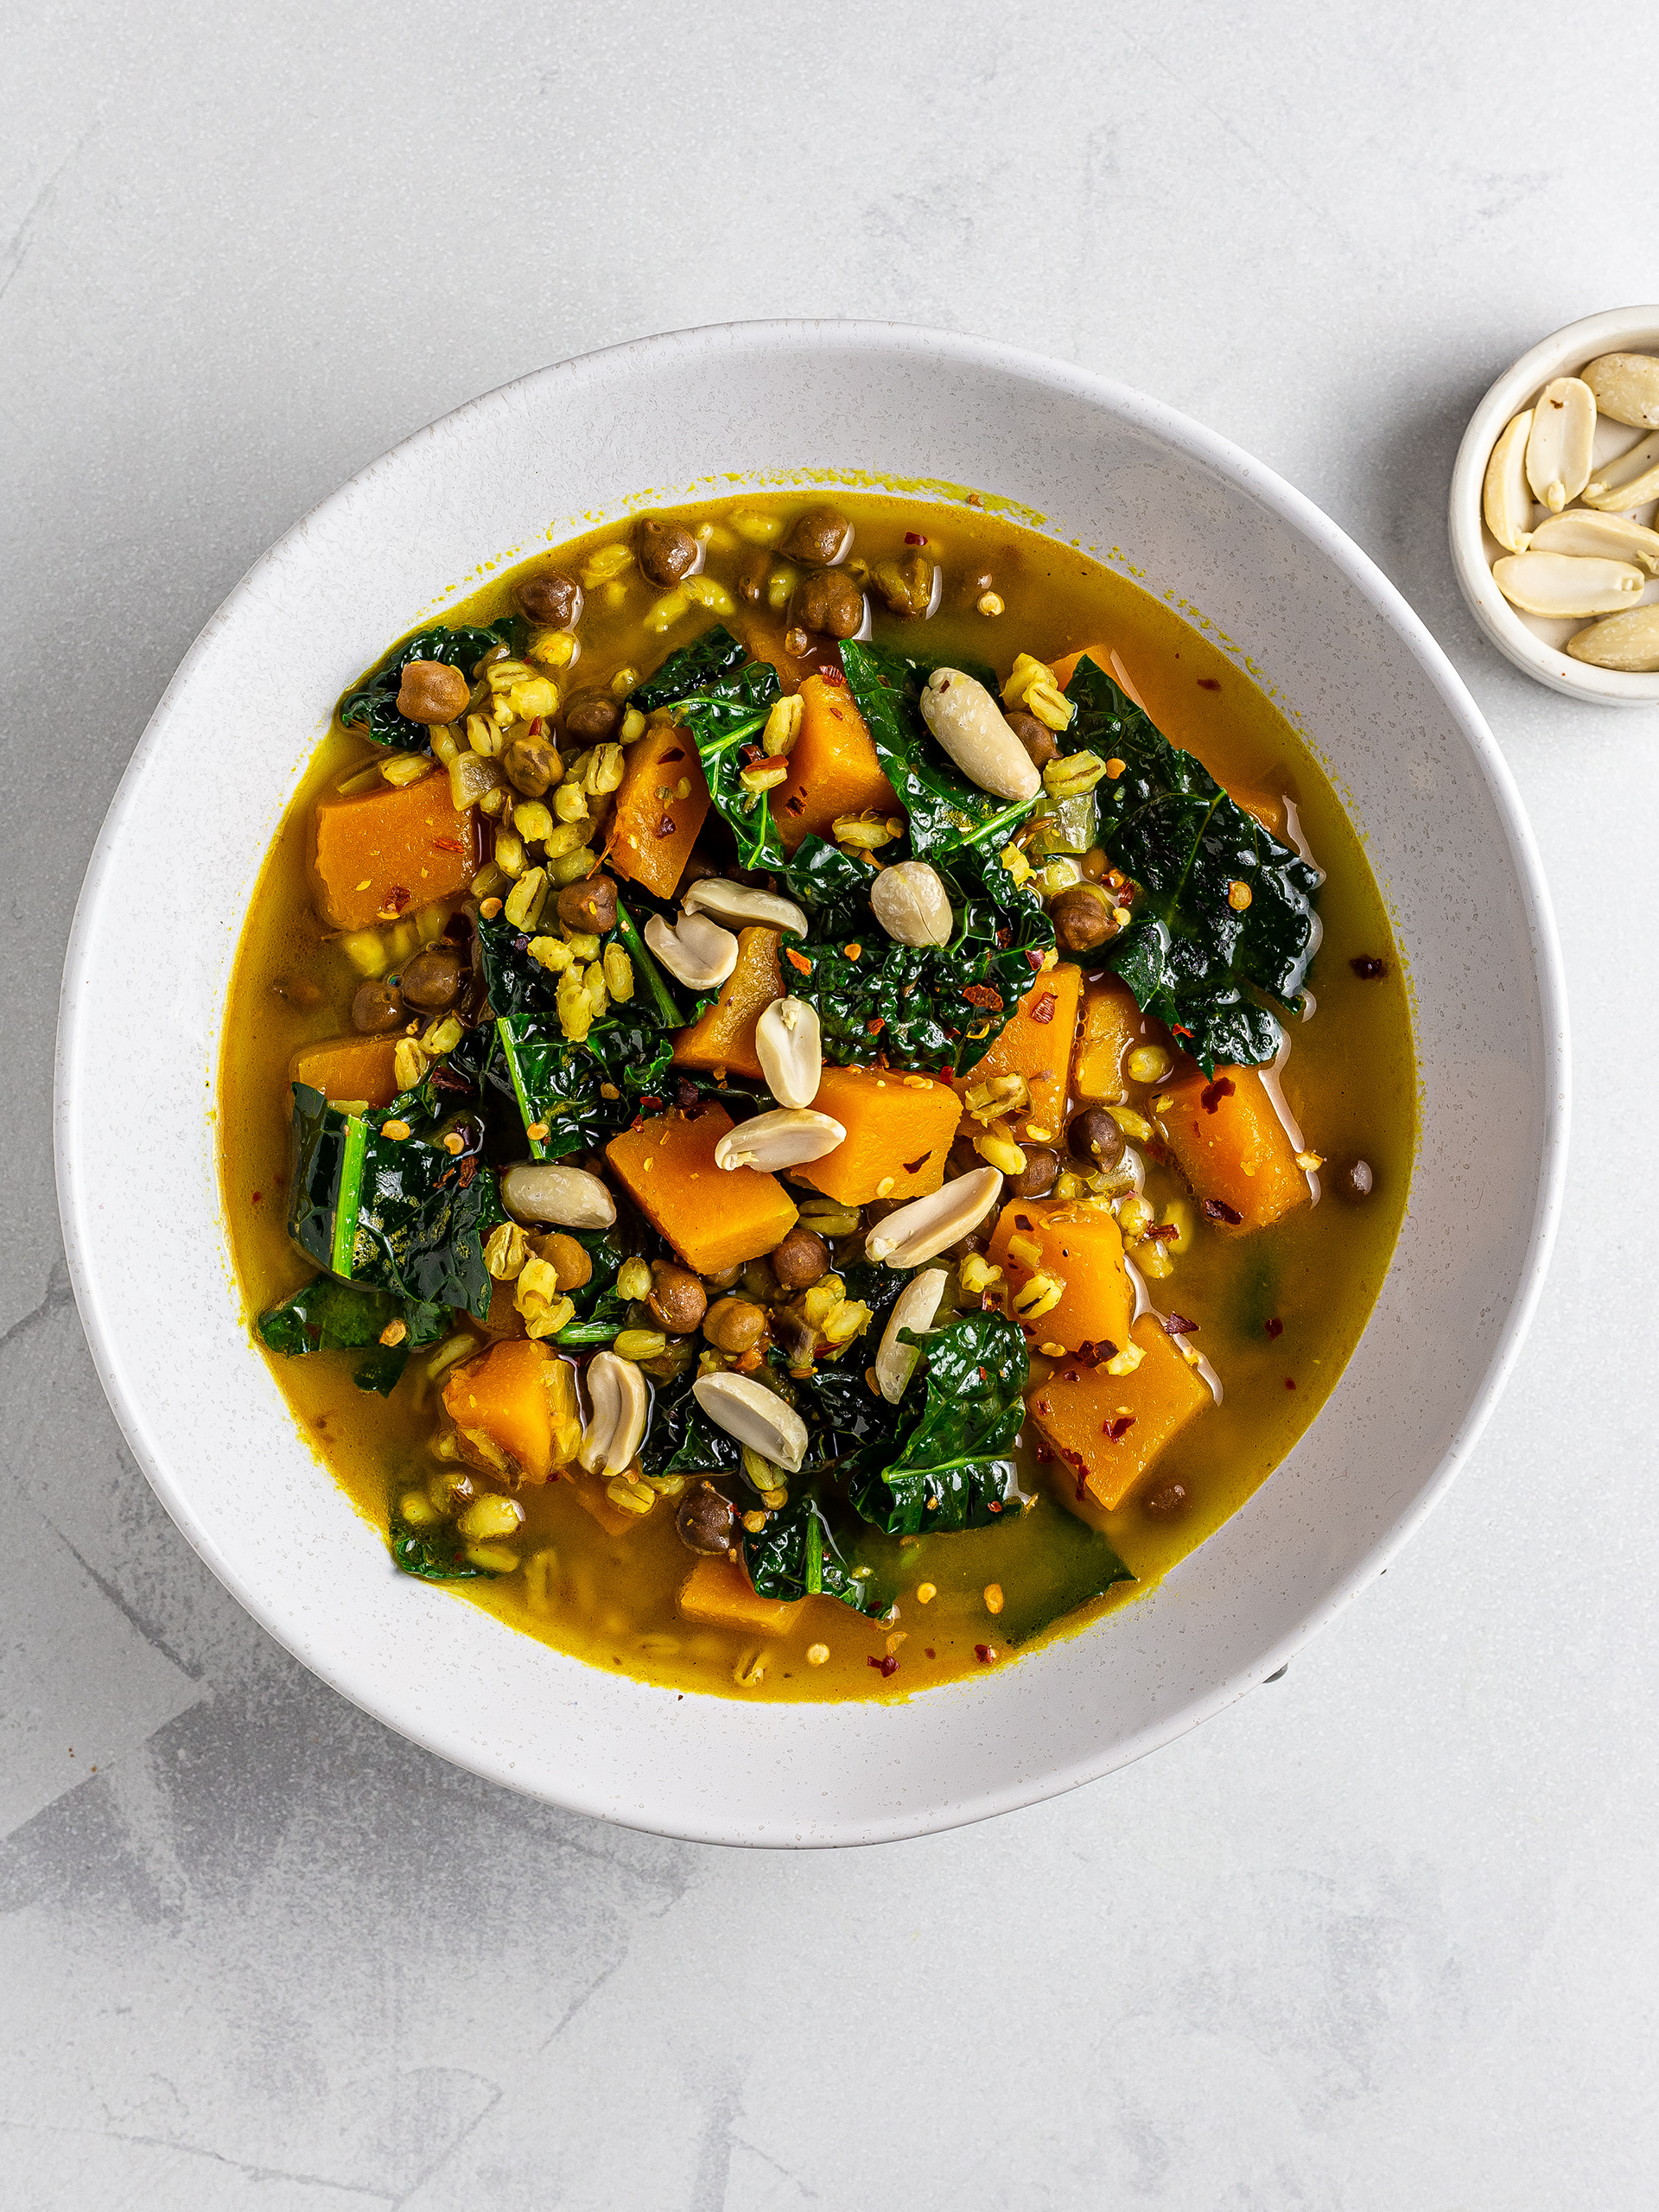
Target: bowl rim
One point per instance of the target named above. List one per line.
(1570, 346)
(1250, 477)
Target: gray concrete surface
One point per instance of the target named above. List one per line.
(1383, 1936)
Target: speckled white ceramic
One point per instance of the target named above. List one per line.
(1533, 642)
(1186, 514)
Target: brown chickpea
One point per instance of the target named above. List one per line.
(532, 766)
(552, 598)
(1095, 1135)
(1037, 1178)
(707, 1520)
(818, 538)
(752, 574)
(961, 1159)
(829, 602)
(378, 1007)
(1356, 1182)
(571, 1263)
(735, 1325)
(1038, 740)
(589, 905)
(431, 981)
(905, 583)
(1082, 917)
(799, 1260)
(677, 1298)
(430, 691)
(976, 1240)
(594, 716)
(726, 1278)
(665, 550)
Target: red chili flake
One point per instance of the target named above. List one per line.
(1219, 1210)
(257, 1196)
(678, 754)
(1290, 1382)
(931, 1652)
(749, 755)
(1035, 958)
(995, 1506)
(832, 674)
(1179, 1031)
(1041, 1453)
(982, 1653)
(982, 994)
(1208, 683)
(1043, 1009)
(1177, 1324)
(655, 1104)
(914, 538)
(884, 1667)
(1212, 1094)
(915, 1166)
(1367, 968)
(446, 845)
(1275, 1327)
(1116, 1430)
(685, 1093)
(1163, 1232)
(397, 898)
(1022, 1221)
(797, 960)
(535, 726)
(875, 1027)
(795, 803)
(1095, 1354)
(666, 827)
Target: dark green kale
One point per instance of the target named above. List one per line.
(1191, 957)
(834, 889)
(944, 810)
(434, 1554)
(680, 1439)
(405, 1217)
(693, 668)
(1078, 1564)
(561, 1085)
(329, 1316)
(953, 1467)
(726, 719)
(599, 1311)
(806, 1550)
(370, 707)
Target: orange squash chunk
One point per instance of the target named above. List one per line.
(1107, 1429)
(899, 1130)
(377, 853)
(1036, 1043)
(833, 768)
(714, 1217)
(1112, 1023)
(724, 1037)
(1080, 1247)
(651, 836)
(514, 1410)
(615, 1520)
(1232, 1148)
(348, 1068)
(719, 1594)
(1066, 667)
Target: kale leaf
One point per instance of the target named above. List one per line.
(324, 1315)
(727, 720)
(369, 707)
(1078, 1564)
(834, 888)
(434, 1554)
(693, 668)
(945, 811)
(680, 1439)
(561, 1085)
(409, 1216)
(799, 1554)
(1191, 957)
(953, 1468)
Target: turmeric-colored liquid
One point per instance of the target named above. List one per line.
(1349, 1081)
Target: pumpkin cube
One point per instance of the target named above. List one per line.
(719, 1594)
(349, 1069)
(1231, 1146)
(724, 1037)
(515, 1411)
(1036, 1043)
(899, 1130)
(1107, 1429)
(714, 1217)
(1079, 1245)
(834, 767)
(1112, 1024)
(655, 825)
(376, 853)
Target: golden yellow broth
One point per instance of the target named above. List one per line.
(1350, 1080)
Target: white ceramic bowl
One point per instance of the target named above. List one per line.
(1197, 521)
(1533, 642)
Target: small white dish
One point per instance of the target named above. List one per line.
(1299, 607)
(1536, 643)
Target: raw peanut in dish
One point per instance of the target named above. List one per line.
(642, 861)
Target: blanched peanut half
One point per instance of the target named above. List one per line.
(696, 951)
(922, 1230)
(740, 905)
(1630, 482)
(1556, 583)
(755, 1416)
(620, 1403)
(1626, 388)
(789, 1044)
(1559, 443)
(1505, 499)
(543, 1190)
(968, 724)
(1597, 537)
(911, 904)
(1628, 641)
(788, 1138)
(918, 1303)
